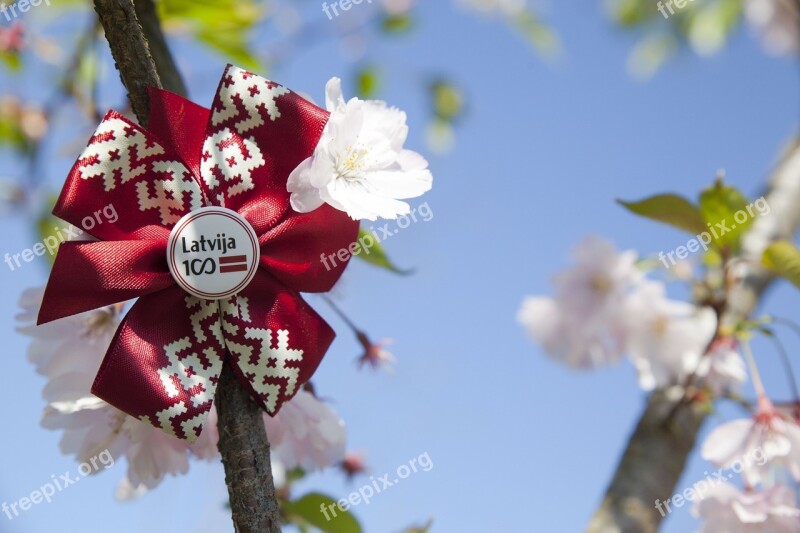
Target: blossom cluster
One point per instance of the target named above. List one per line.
(306, 433)
(606, 307)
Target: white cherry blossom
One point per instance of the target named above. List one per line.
(769, 435)
(665, 338)
(722, 369)
(777, 23)
(582, 325)
(359, 165)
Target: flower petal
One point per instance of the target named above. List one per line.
(258, 133)
(333, 94)
(727, 442)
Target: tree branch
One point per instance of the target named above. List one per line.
(165, 64)
(657, 452)
(243, 441)
(130, 51)
(245, 454)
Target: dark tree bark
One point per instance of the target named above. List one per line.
(165, 64)
(131, 52)
(245, 453)
(666, 433)
(143, 59)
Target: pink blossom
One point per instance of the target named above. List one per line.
(727, 509)
(759, 444)
(375, 354)
(582, 325)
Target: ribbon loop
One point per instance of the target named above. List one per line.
(89, 275)
(163, 366)
(127, 168)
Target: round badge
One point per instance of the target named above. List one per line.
(213, 253)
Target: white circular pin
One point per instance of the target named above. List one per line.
(213, 253)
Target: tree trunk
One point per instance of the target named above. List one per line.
(143, 59)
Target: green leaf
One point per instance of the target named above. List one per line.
(223, 25)
(540, 35)
(295, 474)
(711, 25)
(721, 205)
(670, 209)
(231, 43)
(367, 82)
(11, 133)
(371, 251)
(783, 258)
(448, 103)
(398, 23)
(307, 511)
(12, 61)
(629, 13)
(47, 226)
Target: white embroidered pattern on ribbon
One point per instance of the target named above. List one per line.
(230, 157)
(119, 153)
(274, 371)
(196, 375)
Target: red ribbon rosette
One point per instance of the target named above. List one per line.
(165, 360)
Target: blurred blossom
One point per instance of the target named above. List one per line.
(440, 136)
(724, 508)
(353, 464)
(11, 38)
(777, 22)
(504, 7)
(604, 307)
(10, 107)
(375, 355)
(49, 51)
(31, 118)
(33, 122)
(12, 195)
(665, 338)
(398, 7)
(68, 352)
(582, 325)
(683, 270)
(722, 369)
(306, 433)
(287, 18)
(759, 444)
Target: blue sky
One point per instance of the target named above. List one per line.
(518, 442)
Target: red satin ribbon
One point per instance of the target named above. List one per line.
(164, 361)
